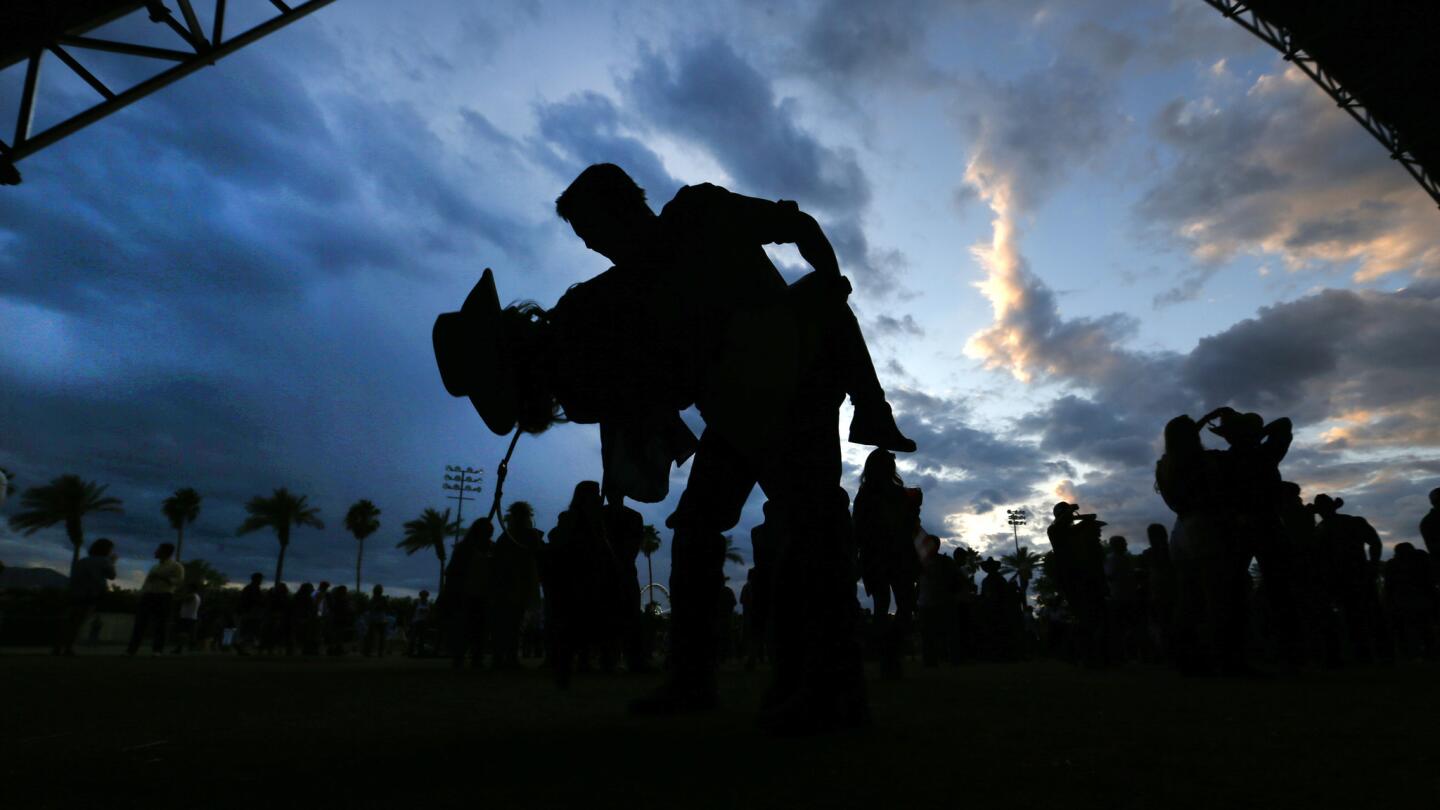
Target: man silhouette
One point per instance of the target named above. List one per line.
(706, 251)
(694, 313)
(1079, 562)
(1354, 547)
(1256, 494)
(156, 593)
(731, 318)
(1430, 525)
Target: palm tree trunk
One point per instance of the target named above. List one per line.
(359, 555)
(650, 575)
(442, 576)
(179, 542)
(280, 565)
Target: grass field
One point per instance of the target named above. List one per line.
(210, 731)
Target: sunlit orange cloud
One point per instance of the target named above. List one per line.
(1065, 491)
(1001, 345)
(1412, 424)
(1382, 220)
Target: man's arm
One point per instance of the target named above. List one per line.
(814, 247)
(767, 222)
(1372, 540)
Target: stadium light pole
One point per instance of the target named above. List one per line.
(1016, 518)
(462, 480)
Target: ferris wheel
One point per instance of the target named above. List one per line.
(648, 594)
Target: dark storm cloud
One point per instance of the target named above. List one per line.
(1278, 170)
(1115, 35)
(1346, 358)
(1325, 355)
(849, 40)
(588, 128)
(229, 286)
(1082, 428)
(1018, 138)
(713, 96)
(889, 326)
(964, 468)
(1191, 283)
(1356, 361)
(252, 187)
(708, 94)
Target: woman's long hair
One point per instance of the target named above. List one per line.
(880, 471)
(1175, 472)
(526, 326)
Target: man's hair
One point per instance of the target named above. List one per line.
(102, 547)
(166, 550)
(520, 510)
(600, 185)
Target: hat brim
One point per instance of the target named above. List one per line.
(1244, 426)
(471, 354)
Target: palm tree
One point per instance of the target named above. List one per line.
(202, 573)
(429, 531)
(1023, 563)
(181, 509)
(732, 554)
(968, 559)
(281, 512)
(362, 520)
(649, 544)
(67, 499)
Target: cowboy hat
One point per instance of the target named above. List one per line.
(1234, 425)
(470, 349)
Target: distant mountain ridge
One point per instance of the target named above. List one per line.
(32, 578)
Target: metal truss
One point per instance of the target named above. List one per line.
(1279, 38)
(194, 51)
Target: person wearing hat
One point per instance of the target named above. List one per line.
(1355, 550)
(1410, 600)
(1430, 525)
(1255, 495)
(694, 313)
(1211, 554)
(1079, 561)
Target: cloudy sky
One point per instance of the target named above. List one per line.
(1066, 222)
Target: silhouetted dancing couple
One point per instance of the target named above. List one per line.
(694, 313)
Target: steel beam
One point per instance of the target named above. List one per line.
(193, 23)
(1281, 40)
(207, 52)
(126, 48)
(80, 71)
(27, 102)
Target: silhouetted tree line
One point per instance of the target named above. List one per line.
(1247, 571)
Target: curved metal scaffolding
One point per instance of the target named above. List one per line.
(31, 28)
(1376, 58)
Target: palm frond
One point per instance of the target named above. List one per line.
(363, 519)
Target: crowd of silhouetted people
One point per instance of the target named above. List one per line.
(1246, 573)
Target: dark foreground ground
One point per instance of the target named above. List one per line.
(210, 731)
